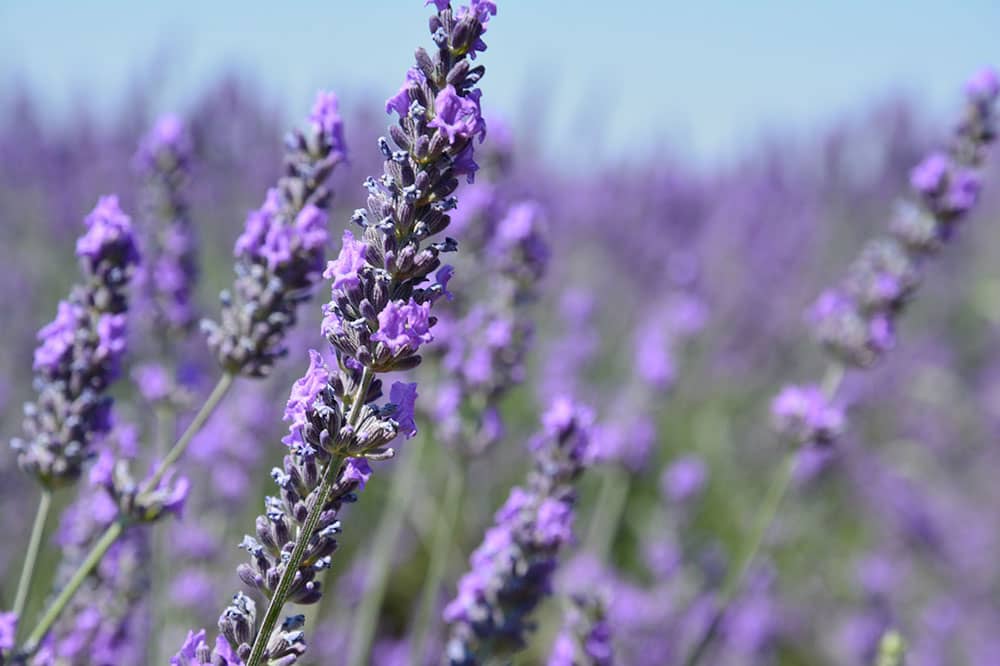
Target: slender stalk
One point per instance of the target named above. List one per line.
(66, 594)
(31, 556)
(178, 449)
(608, 512)
(116, 529)
(312, 519)
(762, 524)
(384, 545)
(439, 557)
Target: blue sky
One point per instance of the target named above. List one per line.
(706, 77)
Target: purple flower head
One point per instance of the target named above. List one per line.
(344, 269)
(441, 280)
(400, 102)
(684, 479)
(804, 415)
(358, 470)
(304, 393)
(111, 341)
(326, 120)
(166, 139)
(57, 337)
(8, 629)
(259, 223)
(109, 235)
(310, 228)
(441, 5)
(404, 327)
(458, 116)
(963, 191)
(193, 646)
(404, 396)
(929, 176)
(554, 523)
(465, 164)
(984, 86)
(153, 381)
(563, 413)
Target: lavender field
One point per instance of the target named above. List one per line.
(395, 384)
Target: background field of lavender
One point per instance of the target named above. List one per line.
(672, 302)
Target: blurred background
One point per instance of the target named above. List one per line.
(700, 174)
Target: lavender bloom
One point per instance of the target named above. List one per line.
(586, 637)
(684, 479)
(79, 354)
(804, 415)
(280, 254)
(8, 630)
(512, 569)
(856, 323)
(378, 316)
(165, 283)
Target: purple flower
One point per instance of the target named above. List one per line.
(440, 4)
(357, 470)
(400, 102)
(404, 396)
(109, 231)
(258, 224)
(457, 116)
(326, 120)
(344, 269)
(8, 630)
(804, 415)
(304, 393)
(684, 478)
(57, 337)
(984, 85)
(929, 176)
(404, 327)
(153, 381)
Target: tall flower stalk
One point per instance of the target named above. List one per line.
(512, 569)
(383, 287)
(78, 358)
(279, 261)
(856, 322)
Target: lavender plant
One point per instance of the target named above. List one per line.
(376, 321)
(511, 571)
(586, 636)
(78, 358)
(856, 323)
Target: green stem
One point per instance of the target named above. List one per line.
(608, 512)
(115, 530)
(178, 449)
(66, 594)
(305, 534)
(384, 546)
(439, 557)
(31, 557)
(762, 524)
(293, 563)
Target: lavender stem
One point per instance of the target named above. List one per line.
(608, 512)
(116, 528)
(384, 545)
(765, 517)
(312, 519)
(55, 609)
(31, 557)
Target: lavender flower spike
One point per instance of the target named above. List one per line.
(166, 281)
(585, 639)
(279, 256)
(512, 569)
(79, 354)
(378, 317)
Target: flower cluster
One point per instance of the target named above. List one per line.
(79, 353)
(585, 638)
(165, 283)
(856, 322)
(512, 569)
(281, 251)
(805, 415)
(382, 291)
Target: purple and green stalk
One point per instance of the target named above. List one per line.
(165, 284)
(512, 569)
(585, 638)
(376, 321)
(280, 255)
(856, 322)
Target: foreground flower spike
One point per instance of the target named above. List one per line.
(376, 321)
(856, 322)
(165, 283)
(279, 256)
(512, 569)
(585, 638)
(79, 354)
